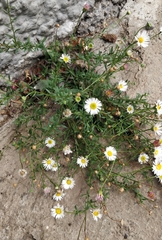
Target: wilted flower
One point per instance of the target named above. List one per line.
(119, 42)
(99, 197)
(151, 195)
(22, 173)
(160, 141)
(125, 66)
(67, 113)
(142, 39)
(86, 7)
(47, 190)
(156, 143)
(109, 93)
(67, 150)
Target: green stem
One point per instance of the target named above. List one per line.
(108, 175)
(11, 23)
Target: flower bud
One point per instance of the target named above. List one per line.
(79, 136)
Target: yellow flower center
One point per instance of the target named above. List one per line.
(140, 39)
(159, 166)
(155, 128)
(50, 141)
(158, 107)
(95, 213)
(156, 152)
(83, 160)
(58, 194)
(93, 106)
(54, 165)
(160, 141)
(109, 153)
(68, 182)
(48, 162)
(58, 211)
(120, 86)
(143, 158)
(160, 176)
(66, 59)
(129, 109)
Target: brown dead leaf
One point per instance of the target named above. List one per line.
(109, 37)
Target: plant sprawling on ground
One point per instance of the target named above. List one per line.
(74, 119)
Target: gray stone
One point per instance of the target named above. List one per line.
(37, 19)
(3, 29)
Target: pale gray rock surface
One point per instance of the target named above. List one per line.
(37, 20)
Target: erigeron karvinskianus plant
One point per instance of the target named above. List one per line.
(74, 113)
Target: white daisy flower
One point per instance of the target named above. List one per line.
(122, 86)
(49, 142)
(160, 178)
(66, 58)
(57, 211)
(68, 183)
(67, 113)
(142, 39)
(96, 213)
(67, 150)
(159, 107)
(58, 195)
(143, 158)
(157, 167)
(54, 166)
(22, 173)
(110, 153)
(47, 163)
(130, 109)
(92, 106)
(158, 129)
(158, 152)
(82, 162)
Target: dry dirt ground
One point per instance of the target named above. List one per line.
(25, 210)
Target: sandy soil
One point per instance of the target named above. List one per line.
(25, 210)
